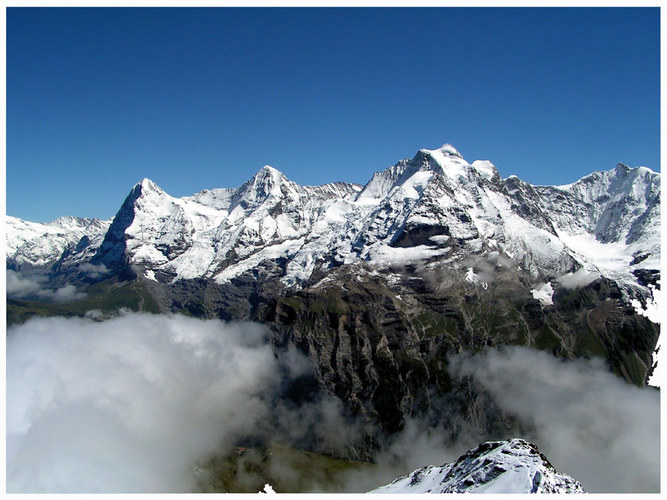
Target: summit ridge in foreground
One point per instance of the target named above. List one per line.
(512, 466)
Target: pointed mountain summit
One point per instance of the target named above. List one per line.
(138, 216)
(148, 185)
(267, 182)
(147, 188)
(443, 152)
(266, 179)
(445, 160)
(144, 187)
(416, 173)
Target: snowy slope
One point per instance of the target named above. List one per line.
(217, 233)
(611, 218)
(512, 466)
(34, 244)
(432, 209)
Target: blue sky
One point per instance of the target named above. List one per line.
(202, 98)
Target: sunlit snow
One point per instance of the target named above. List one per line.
(544, 293)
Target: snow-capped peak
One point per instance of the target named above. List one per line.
(267, 182)
(445, 160)
(419, 170)
(38, 244)
(622, 169)
(486, 169)
(448, 160)
(70, 222)
(146, 195)
(268, 169)
(269, 177)
(446, 149)
(146, 185)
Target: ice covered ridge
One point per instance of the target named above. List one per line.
(433, 208)
(512, 466)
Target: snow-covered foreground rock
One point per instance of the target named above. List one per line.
(512, 466)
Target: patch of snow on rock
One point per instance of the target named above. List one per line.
(653, 305)
(268, 489)
(486, 169)
(544, 293)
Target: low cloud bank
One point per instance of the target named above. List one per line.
(93, 270)
(131, 403)
(20, 286)
(23, 285)
(588, 422)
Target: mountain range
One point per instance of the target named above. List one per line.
(376, 284)
(434, 207)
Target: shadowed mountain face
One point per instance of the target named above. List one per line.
(111, 253)
(378, 284)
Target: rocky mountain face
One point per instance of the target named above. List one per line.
(512, 466)
(378, 284)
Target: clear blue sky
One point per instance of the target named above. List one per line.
(202, 98)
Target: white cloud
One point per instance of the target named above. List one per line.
(653, 309)
(127, 405)
(588, 422)
(23, 285)
(68, 293)
(93, 270)
(20, 285)
(131, 403)
(544, 293)
(578, 279)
